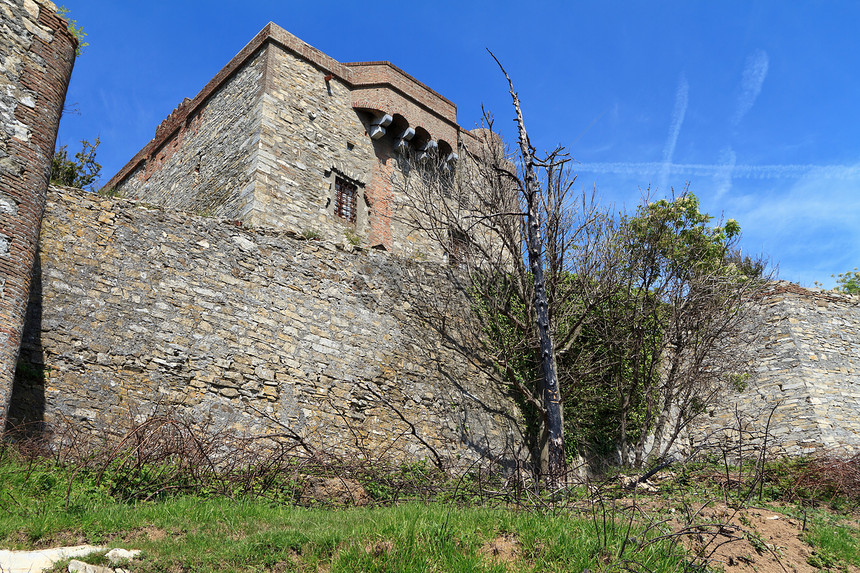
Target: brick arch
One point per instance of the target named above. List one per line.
(421, 137)
(381, 100)
(398, 125)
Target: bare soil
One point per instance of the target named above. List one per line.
(757, 539)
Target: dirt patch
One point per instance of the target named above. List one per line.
(149, 533)
(293, 563)
(60, 539)
(759, 540)
(335, 491)
(379, 548)
(504, 549)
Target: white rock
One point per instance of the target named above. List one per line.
(119, 554)
(244, 243)
(37, 561)
(76, 566)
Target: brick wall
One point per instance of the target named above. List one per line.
(37, 53)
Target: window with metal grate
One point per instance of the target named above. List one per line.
(345, 204)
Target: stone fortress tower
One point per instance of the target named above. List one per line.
(197, 292)
(37, 53)
(288, 138)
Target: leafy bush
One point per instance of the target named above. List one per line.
(82, 172)
(848, 282)
(77, 31)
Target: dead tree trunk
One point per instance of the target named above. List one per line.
(553, 450)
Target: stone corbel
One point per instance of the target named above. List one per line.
(426, 149)
(378, 125)
(403, 141)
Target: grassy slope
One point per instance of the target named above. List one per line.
(44, 505)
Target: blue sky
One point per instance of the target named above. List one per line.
(753, 104)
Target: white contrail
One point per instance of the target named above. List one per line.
(755, 71)
(790, 171)
(723, 177)
(678, 113)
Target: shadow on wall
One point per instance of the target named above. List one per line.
(448, 314)
(27, 406)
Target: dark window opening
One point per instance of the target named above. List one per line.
(459, 247)
(346, 203)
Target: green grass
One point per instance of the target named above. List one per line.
(42, 504)
(46, 504)
(835, 544)
(218, 535)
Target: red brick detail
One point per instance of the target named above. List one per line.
(45, 71)
(380, 196)
(385, 99)
(161, 155)
(374, 74)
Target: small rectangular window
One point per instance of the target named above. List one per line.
(345, 199)
(459, 247)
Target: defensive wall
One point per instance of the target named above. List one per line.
(138, 310)
(201, 295)
(37, 53)
(805, 376)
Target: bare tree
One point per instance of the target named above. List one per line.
(634, 310)
(526, 243)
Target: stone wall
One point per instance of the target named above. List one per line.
(207, 163)
(805, 370)
(310, 135)
(266, 139)
(37, 53)
(309, 129)
(137, 310)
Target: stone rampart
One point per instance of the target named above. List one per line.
(208, 160)
(37, 53)
(805, 376)
(137, 310)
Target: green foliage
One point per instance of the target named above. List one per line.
(835, 546)
(848, 282)
(612, 383)
(501, 312)
(352, 238)
(388, 486)
(77, 31)
(82, 172)
(111, 192)
(677, 238)
(654, 320)
(32, 373)
(681, 290)
(739, 381)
